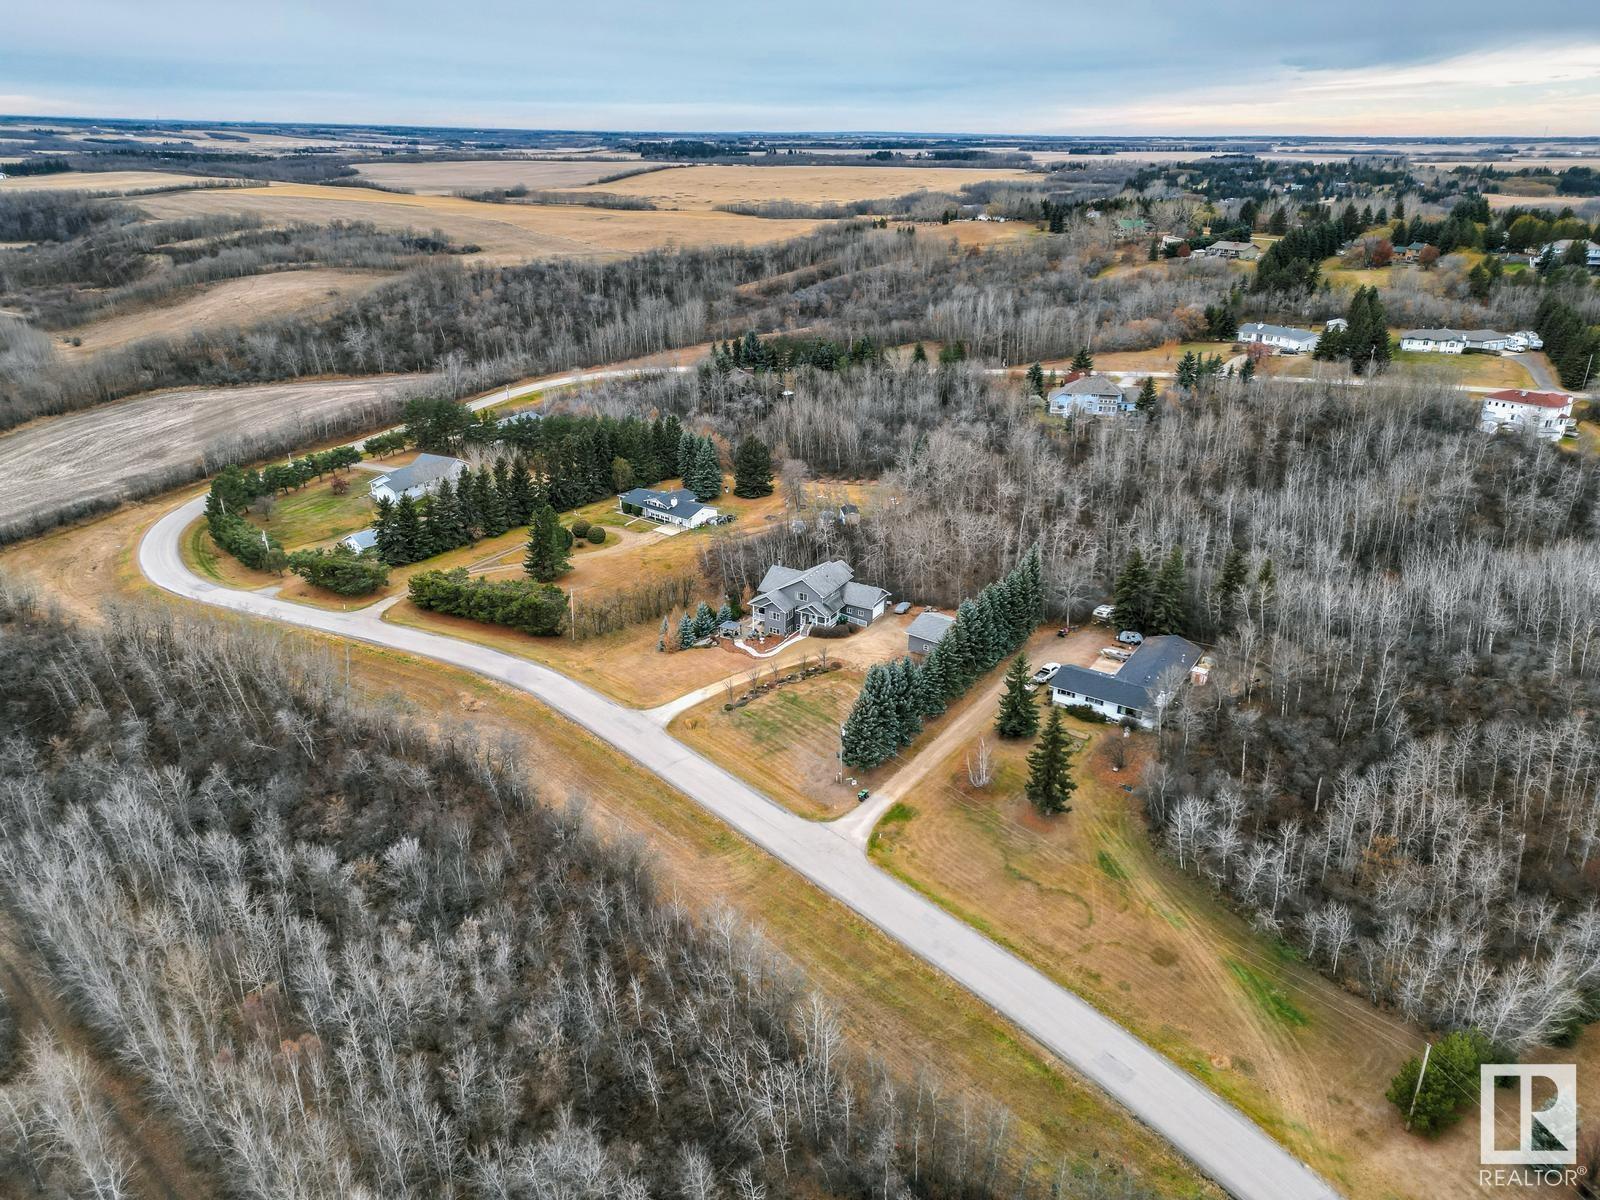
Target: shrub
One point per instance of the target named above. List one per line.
(1084, 713)
(580, 528)
(537, 609)
(832, 631)
(596, 535)
(340, 570)
(253, 547)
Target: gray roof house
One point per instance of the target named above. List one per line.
(1454, 341)
(677, 507)
(1094, 396)
(827, 594)
(424, 474)
(1133, 692)
(927, 631)
(1248, 251)
(360, 541)
(1281, 337)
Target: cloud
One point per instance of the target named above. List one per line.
(1535, 88)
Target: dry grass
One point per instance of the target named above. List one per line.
(253, 298)
(1086, 899)
(481, 175)
(1468, 370)
(704, 186)
(504, 233)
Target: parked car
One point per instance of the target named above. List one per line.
(1105, 612)
(1130, 637)
(1045, 672)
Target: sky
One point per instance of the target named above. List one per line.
(1424, 67)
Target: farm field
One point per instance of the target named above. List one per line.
(101, 181)
(106, 453)
(477, 175)
(703, 187)
(503, 233)
(910, 1016)
(261, 297)
(1087, 899)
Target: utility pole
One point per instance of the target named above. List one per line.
(1417, 1091)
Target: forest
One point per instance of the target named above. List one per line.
(340, 955)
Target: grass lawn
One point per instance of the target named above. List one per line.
(1160, 358)
(1086, 899)
(314, 514)
(1470, 370)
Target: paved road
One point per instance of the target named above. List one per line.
(1216, 1137)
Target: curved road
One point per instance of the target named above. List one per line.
(1215, 1136)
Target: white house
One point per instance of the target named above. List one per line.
(678, 507)
(1093, 396)
(360, 541)
(1137, 690)
(1281, 338)
(1558, 251)
(424, 474)
(1548, 414)
(1456, 341)
(1245, 251)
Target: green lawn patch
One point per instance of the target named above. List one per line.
(1113, 869)
(899, 813)
(1269, 997)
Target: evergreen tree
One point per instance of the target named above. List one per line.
(1132, 593)
(1036, 379)
(383, 530)
(919, 353)
(704, 476)
(547, 546)
(725, 614)
(752, 469)
(407, 534)
(1147, 402)
(686, 632)
(870, 731)
(1019, 714)
(1083, 360)
(1230, 583)
(934, 678)
(1050, 784)
(705, 621)
(1188, 373)
(907, 702)
(735, 605)
(1170, 595)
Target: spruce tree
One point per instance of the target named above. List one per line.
(1131, 594)
(907, 702)
(547, 546)
(408, 539)
(869, 732)
(1230, 583)
(1147, 403)
(384, 531)
(1170, 595)
(1036, 379)
(752, 469)
(705, 620)
(919, 353)
(1050, 783)
(705, 474)
(934, 680)
(1019, 714)
(686, 632)
(1083, 360)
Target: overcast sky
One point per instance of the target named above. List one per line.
(1133, 66)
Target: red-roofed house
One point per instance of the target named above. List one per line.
(1548, 414)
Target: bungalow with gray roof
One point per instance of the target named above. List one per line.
(360, 541)
(677, 507)
(827, 594)
(1135, 691)
(1283, 338)
(426, 472)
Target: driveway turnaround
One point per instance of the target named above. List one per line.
(1220, 1141)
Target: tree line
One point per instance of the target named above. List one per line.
(897, 697)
